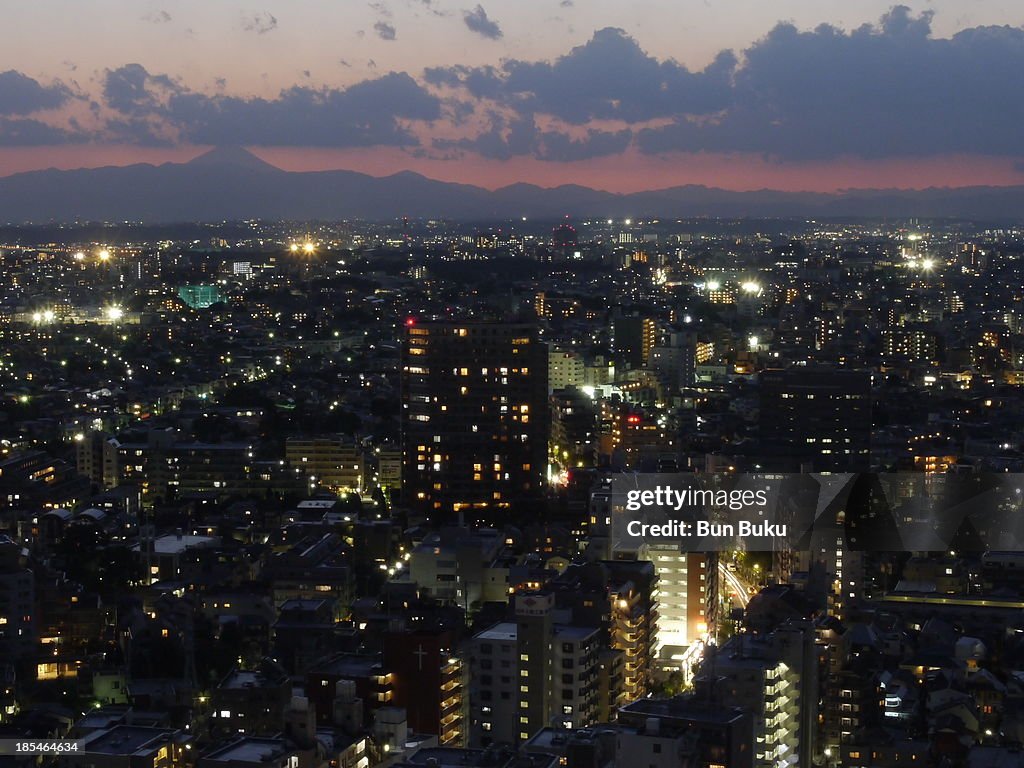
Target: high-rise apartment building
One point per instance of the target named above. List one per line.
(427, 679)
(819, 416)
(534, 673)
(475, 416)
(773, 677)
(633, 339)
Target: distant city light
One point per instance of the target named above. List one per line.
(308, 248)
(294, 248)
(114, 313)
(713, 285)
(79, 256)
(750, 287)
(43, 316)
(104, 255)
(928, 264)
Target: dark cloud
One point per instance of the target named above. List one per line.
(27, 132)
(22, 95)
(610, 77)
(482, 82)
(889, 89)
(478, 21)
(366, 114)
(520, 136)
(259, 22)
(133, 91)
(564, 148)
(384, 30)
(882, 90)
(139, 99)
(143, 131)
(885, 90)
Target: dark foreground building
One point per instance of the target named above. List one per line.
(474, 417)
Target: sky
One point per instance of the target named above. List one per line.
(742, 94)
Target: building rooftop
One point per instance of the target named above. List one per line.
(682, 708)
(574, 633)
(172, 543)
(242, 678)
(506, 631)
(126, 740)
(251, 750)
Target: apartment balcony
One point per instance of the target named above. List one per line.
(455, 702)
(448, 720)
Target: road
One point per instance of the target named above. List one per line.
(737, 585)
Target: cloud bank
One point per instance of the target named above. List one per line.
(886, 90)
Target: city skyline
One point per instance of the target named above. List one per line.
(795, 97)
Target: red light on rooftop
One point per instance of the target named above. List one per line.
(410, 322)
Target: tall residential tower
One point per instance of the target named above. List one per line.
(475, 417)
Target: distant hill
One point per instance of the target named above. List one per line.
(230, 183)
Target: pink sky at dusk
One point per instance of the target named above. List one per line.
(630, 172)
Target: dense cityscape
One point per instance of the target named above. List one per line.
(338, 493)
